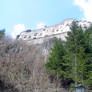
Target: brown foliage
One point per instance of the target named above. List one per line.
(22, 68)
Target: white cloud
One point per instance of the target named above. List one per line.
(41, 25)
(86, 7)
(17, 29)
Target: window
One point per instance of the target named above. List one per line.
(25, 36)
(40, 34)
(43, 29)
(67, 25)
(29, 37)
(46, 35)
(28, 30)
(34, 37)
(35, 34)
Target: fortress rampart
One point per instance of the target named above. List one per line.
(58, 31)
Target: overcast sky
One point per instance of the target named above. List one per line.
(19, 15)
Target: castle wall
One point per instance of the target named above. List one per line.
(58, 31)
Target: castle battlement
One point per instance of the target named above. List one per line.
(58, 31)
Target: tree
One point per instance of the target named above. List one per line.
(75, 51)
(79, 53)
(88, 52)
(56, 66)
(2, 33)
(72, 61)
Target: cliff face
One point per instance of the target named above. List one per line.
(58, 31)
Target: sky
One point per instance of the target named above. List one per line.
(19, 15)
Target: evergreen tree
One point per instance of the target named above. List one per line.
(72, 61)
(75, 51)
(88, 52)
(79, 54)
(56, 66)
(2, 33)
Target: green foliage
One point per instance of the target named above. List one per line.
(2, 33)
(73, 60)
(56, 65)
(55, 61)
(75, 51)
(79, 51)
(88, 52)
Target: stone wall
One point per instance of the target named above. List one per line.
(58, 31)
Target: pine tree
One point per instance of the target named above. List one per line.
(72, 61)
(2, 33)
(88, 52)
(78, 49)
(56, 66)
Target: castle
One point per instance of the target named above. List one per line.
(59, 31)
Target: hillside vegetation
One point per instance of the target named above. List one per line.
(22, 67)
(70, 63)
(28, 68)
